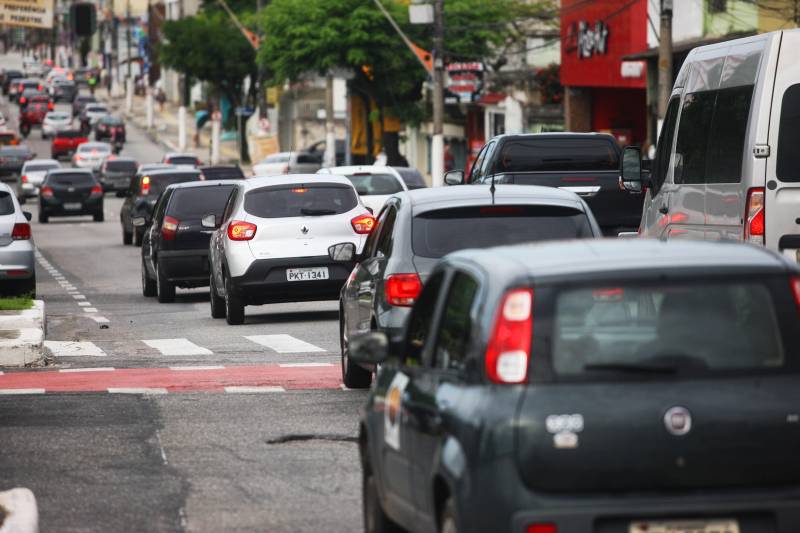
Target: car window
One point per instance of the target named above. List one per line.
(309, 159)
(300, 200)
(386, 238)
(437, 233)
(727, 135)
(701, 327)
(40, 167)
(6, 203)
(197, 202)
(474, 173)
(546, 154)
(381, 184)
(455, 328)
(691, 147)
(78, 178)
(121, 166)
(159, 182)
(372, 238)
(480, 164)
(232, 173)
(183, 160)
(412, 178)
(789, 136)
(487, 161)
(161, 206)
(421, 319)
(664, 150)
(226, 214)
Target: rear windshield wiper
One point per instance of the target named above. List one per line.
(317, 212)
(632, 368)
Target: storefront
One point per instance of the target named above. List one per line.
(604, 92)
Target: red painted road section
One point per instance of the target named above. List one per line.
(213, 380)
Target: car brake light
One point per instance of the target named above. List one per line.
(97, 190)
(22, 100)
(510, 345)
(21, 231)
(24, 178)
(402, 289)
(50, 106)
(363, 224)
(47, 192)
(795, 281)
(241, 231)
(169, 228)
(542, 528)
(145, 186)
(754, 223)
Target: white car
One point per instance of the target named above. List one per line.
(91, 155)
(17, 265)
(375, 184)
(95, 112)
(287, 163)
(55, 121)
(32, 175)
(272, 243)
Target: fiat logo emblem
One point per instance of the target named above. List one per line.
(304, 229)
(678, 421)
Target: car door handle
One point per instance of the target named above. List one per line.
(663, 209)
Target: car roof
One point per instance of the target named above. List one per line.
(195, 184)
(169, 155)
(293, 179)
(42, 162)
(580, 259)
(461, 195)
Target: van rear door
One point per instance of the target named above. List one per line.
(782, 193)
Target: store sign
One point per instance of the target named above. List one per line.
(592, 39)
(465, 80)
(27, 13)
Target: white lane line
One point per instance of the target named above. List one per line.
(89, 309)
(91, 369)
(198, 367)
(79, 296)
(137, 390)
(84, 304)
(303, 365)
(73, 293)
(253, 390)
(283, 343)
(74, 349)
(177, 347)
(98, 319)
(21, 391)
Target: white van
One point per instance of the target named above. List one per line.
(727, 163)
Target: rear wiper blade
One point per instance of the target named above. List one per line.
(632, 368)
(317, 212)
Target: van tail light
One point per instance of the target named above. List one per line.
(509, 348)
(795, 281)
(24, 178)
(169, 228)
(754, 221)
(145, 190)
(21, 231)
(542, 528)
(363, 224)
(241, 231)
(402, 289)
(47, 192)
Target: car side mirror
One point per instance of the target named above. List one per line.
(343, 252)
(454, 177)
(632, 177)
(138, 221)
(28, 215)
(209, 221)
(371, 348)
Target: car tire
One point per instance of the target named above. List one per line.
(217, 303)
(148, 284)
(234, 306)
(43, 218)
(165, 291)
(353, 375)
(375, 518)
(127, 237)
(99, 217)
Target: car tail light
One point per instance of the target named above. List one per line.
(754, 221)
(402, 289)
(509, 348)
(145, 186)
(169, 228)
(50, 106)
(97, 190)
(24, 178)
(241, 231)
(21, 231)
(795, 281)
(47, 192)
(542, 528)
(363, 224)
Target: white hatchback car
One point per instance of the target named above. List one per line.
(17, 265)
(271, 244)
(375, 184)
(55, 121)
(32, 175)
(91, 155)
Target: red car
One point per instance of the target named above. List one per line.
(66, 142)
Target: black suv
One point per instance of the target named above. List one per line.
(599, 385)
(116, 174)
(175, 244)
(70, 192)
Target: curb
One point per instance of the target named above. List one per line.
(21, 511)
(22, 336)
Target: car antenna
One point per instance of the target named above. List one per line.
(492, 189)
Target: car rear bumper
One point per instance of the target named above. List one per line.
(16, 258)
(55, 206)
(187, 268)
(265, 281)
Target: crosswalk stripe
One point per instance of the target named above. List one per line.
(283, 343)
(177, 347)
(74, 348)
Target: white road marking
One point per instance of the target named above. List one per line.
(79, 296)
(137, 390)
(98, 319)
(302, 365)
(84, 304)
(283, 343)
(92, 369)
(74, 348)
(177, 347)
(251, 390)
(89, 309)
(198, 367)
(21, 391)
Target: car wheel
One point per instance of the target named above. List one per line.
(148, 284)
(43, 218)
(353, 375)
(127, 237)
(217, 303)
(164, 289)
(375, 519)
(234, 306)
(449, 524)
(99, 217)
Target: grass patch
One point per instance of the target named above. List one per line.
(16, 303)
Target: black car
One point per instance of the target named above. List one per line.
(623, 386)
(80, 102)
(416, 228)
(70, 192)
(116, 174)
(64, 90)
(222, 172)
(107, 127)
(10, 76)
(11, 160)
(175, 244)
(142, 195)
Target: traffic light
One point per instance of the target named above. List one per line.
(83, 19)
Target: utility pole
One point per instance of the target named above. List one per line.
(664, 59)
(128, 31)
(329, 158)
(261, 98)
(437, 142)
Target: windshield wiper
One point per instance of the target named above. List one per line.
(317, 212)
(632, 368)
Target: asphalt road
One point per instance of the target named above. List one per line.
(166, 419)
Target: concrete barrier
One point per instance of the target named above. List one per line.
(22, 336)
(18, 511)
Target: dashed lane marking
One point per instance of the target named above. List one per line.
(198, 367)
(84, 304)
(79, 296)
(177, 347)
(74, 348)
(283, 343)
(98, 319)
(89, 309)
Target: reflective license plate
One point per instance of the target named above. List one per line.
(69, 206)
(306, 274)
(685, 526)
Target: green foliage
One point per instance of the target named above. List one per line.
(17, 303)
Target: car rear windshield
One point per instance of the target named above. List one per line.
(437, 233)
(367, 184)
(57, 116)
(412, 177)
(557, 154)
(122, 166)
(276, 158)
(40, 168)
(183, 160)
(160, 182)
(223, 173)
(94, 148)
(78, 178)
(300, 200)
(6, 204)
(197, 202)
(664, 328)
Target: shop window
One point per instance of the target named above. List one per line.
(789, 136)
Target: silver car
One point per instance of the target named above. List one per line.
(91, 155)
(17, 267)
(55, 121)
(32, 175)
(95, 112)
